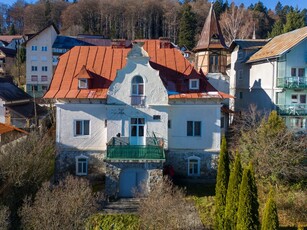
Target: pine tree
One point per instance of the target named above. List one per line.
(277, 29)
(270, 216)
(248, 216)
(233, 191)
(294, 20)
(187, 27)
(221, 186)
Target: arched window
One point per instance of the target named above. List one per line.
(137, 91)
(193, 166)
(137, 86)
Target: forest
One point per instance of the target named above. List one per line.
(133, 19)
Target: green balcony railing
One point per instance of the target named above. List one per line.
(292, 110)
(146, 152)
(292, 82)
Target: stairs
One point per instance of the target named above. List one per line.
(122, 205)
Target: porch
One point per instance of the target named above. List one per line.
(292, 82)
(292, 110)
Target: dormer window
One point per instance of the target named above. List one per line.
(137, 91)
(194, 84)
(83, 84)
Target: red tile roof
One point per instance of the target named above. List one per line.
(4, 128)
(101, 64)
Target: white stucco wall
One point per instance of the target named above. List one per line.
(296, 57)
(209, 115)
(68, 113)
(2, 111)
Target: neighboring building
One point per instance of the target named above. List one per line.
(11, 41)
(10, 133)
(278, 78)
(17, 107)
(7, 60)
(241, 50)
(129, 112)
(39, 67)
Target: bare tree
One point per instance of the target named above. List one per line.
(63, 206)
(237, 22)
(4, 218)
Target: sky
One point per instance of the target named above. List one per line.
(270, 4)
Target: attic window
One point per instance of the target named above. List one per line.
(215, 38)
(83, 84)
(194, 83)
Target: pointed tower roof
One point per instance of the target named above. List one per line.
(211, 35)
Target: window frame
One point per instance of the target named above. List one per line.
(83, 160)
(197, 159)
(34, 48)
(83, 83)
(44, 68)
(34, 68)
(193, 131)
(191, 81)
(44, 78)
(44, 48)
(81, 132)
(34, 78)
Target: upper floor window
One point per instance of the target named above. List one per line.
(34, 68)
(193, 128)
(137, 86)
(194, 83)
(214, 63)
(34, 48)
(82, 127)
(44, 48)
(44, 78)
(45, 68)
(34, 78)
(83, 84)
(297, 72)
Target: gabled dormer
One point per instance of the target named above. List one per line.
(210, 51)
(84, 78)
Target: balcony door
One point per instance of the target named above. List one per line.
(137, 131)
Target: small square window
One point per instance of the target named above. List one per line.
(34, 78)
(34, 68)
(83, 84)
(44, 78)
(193, 128)
(294, 98)
(82, 127)
(34, 48)
(44, 68)
(156, 117)
(194, 84)
(44, 48)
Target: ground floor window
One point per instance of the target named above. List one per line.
(298, 122)
(81, 165)
(193, 166)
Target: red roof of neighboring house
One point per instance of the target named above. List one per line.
(4, 128)
(9, 38)
(102, 63)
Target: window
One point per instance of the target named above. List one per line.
(293, 72)
(81, 165)
(44, 68)
(294, 98)
(33, 58)
(82, 127)
(241, 95)
(303, 99)
(298, 123)
(82, 83)
(301, 72)
(156, 117)
(137, 86)
(44, 78)
(34, 48)
(169, 124)
(193, 166)
(214, 63)
(194, 84)
(44, 48)
(34, 88)
(44, 87)
(297, 72)
(34, 68)
(44, 58)
(137, 127)
(222, 122)
(193, 128)
(34, 78)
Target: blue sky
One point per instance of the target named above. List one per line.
(268, 3)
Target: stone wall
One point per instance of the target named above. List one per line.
(179, 160)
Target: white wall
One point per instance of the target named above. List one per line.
(68, 113)
(209, 115)
(2, 111)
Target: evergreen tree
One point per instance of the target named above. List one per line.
(12, 30)
(278, 28)
(219, 8)
(233, 191)
(187, 27)
(270, 216)
(294, 20)
(221, 186)
(248, 216)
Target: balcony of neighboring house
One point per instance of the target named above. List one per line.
(292, 82)
(292, 110)
(119, 148)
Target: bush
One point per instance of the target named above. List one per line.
(113, 221)
(63, 206)
(270, 216)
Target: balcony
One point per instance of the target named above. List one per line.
(119, 148)
(292, 110)
(292, 82)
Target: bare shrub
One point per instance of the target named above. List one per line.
(165, 207)
(4, 218)
(63, 206)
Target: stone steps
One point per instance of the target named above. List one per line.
(122, 205)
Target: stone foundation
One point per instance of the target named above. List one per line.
(179, 160)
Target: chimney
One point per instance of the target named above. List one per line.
(118, 43)
(165, 42)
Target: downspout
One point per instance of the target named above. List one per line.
(272, 93)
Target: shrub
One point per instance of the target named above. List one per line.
(270, 216)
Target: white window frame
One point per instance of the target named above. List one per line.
(192, 81)
(193, 129)
(83, 83)
(137, 86)
(194, 158)
(82, 130)
(83, 160)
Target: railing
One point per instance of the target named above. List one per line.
(292, 110)
(119, 148)
(292, 82)
(138, 100)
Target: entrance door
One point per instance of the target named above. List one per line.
(131, 180)
(137, 131)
